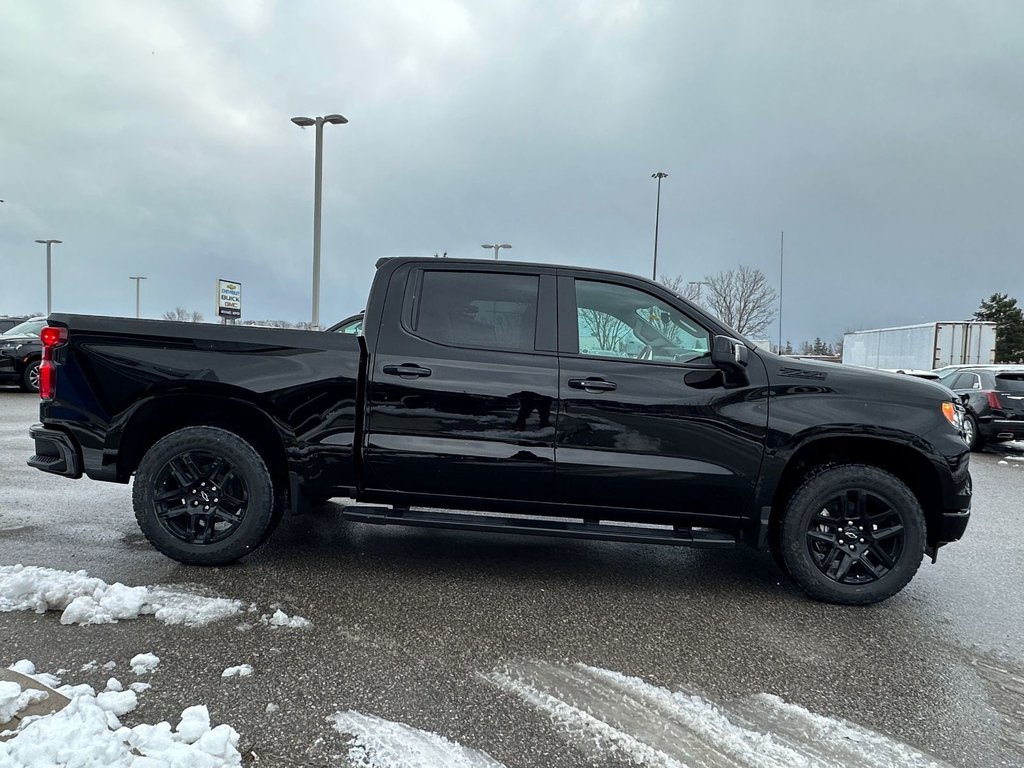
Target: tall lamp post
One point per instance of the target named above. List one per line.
(782, 257)
(700, 284)
(305, 122)
(497, 247)
(138, 281)
(659, 175)
(49, 273)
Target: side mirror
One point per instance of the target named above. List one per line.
(729, 354)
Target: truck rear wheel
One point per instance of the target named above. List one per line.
(852, 534)
(203, 496)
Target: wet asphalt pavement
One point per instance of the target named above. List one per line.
(407, 622)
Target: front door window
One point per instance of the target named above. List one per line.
(615, 321)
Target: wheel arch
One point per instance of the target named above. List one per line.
(908, 464)
(161, 415)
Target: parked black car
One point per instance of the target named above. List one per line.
(21, 353)
(8, 322)
(995, 402)
(353, 325)
(601, 401)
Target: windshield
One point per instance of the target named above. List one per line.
(28, 328)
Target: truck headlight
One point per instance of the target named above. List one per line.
(954, 413)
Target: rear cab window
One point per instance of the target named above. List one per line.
(483, 310)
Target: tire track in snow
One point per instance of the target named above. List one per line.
(603, 711)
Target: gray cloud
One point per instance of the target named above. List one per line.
(885, 138)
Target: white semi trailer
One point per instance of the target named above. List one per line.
(925, 347)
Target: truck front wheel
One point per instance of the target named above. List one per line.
(852, 534)
(203, 496)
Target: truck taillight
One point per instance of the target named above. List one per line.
(52, 337)
(993, 400)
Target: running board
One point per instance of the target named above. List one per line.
(679, 537)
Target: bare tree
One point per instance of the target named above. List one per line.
(742, 298)
(688, 289)
(183, 315)
(607, 329)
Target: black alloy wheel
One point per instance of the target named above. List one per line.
(200, 497)
(852, 534)
(30, 377)
(971, 436)
(856, 537)
(204, 496)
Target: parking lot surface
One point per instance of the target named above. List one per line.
(536, 651)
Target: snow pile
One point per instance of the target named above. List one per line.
(380, 743)
(87, 600)
(282, 619)
(88, 734)
(142, 663)
(242, 670)
(13, 699)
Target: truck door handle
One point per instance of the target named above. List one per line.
(406, 371)
(592, 384)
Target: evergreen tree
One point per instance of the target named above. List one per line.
(1009, 319)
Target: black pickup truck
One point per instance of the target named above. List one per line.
(520, 398)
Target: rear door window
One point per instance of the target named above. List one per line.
(477, 309)
(965, 381)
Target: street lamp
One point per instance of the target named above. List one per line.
(138, 281)
(659, 175)
(305, 122)
(49, 273)
(497, 247)
(697, 283)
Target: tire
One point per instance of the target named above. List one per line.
(852, 506)
(177, 497)
(971, 436)
(30, 377)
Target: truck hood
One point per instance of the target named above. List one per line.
(872, 383)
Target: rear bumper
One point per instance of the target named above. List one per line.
(56, 452)
(1003, 429)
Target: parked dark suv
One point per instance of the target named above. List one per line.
(995, 402)
(8, 322)
(21, 352)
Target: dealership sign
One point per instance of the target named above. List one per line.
(229, 299)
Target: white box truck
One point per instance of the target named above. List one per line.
(924, 347)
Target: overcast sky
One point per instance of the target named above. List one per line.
(153, 138)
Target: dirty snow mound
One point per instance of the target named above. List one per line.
(87, 600)
(88, 734)
(142, 663)
(282, 619)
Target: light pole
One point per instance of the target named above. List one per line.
(138, 281)
(305, 122)
(497, 247)
(659, 175)
(697, 283)
(782, 257)
(49, 273)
